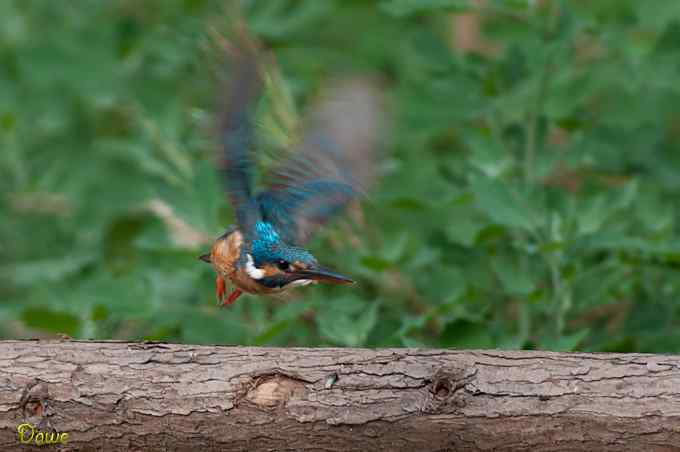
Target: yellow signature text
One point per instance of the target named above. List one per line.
(28, 433)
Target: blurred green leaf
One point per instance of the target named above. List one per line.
(593, 214)
(466, 334)
(279, 18)
(501, 204)
(267, 336)
(463, 231)
(515, 279)
(347, 321)
(205, 327)
(375, 263)
(568, 342)
(488, 154)
(46, 270)
(44, 318)
(402, 8)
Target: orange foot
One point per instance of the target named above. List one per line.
(221, 288)
(232, 297)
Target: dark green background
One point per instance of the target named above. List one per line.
(529, 196)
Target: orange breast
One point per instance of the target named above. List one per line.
(225, 254)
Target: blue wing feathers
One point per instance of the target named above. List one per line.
(314, 202)
(333, 165)
(236, 125)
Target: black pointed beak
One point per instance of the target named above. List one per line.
(324, 275)
(205, 258)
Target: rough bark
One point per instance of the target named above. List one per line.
(152, 396)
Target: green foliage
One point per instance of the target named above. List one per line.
(528, 196)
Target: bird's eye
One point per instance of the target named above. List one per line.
(283, 265)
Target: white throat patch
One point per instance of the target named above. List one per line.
(252, 270)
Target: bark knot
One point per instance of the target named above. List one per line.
(443, 389)
(34, 403)
(272, 391)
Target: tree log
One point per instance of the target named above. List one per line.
(154, 396)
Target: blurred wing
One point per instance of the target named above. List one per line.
(334, 164)
(237, 129)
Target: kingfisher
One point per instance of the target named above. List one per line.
(331, 166)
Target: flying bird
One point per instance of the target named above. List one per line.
(332, 165)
